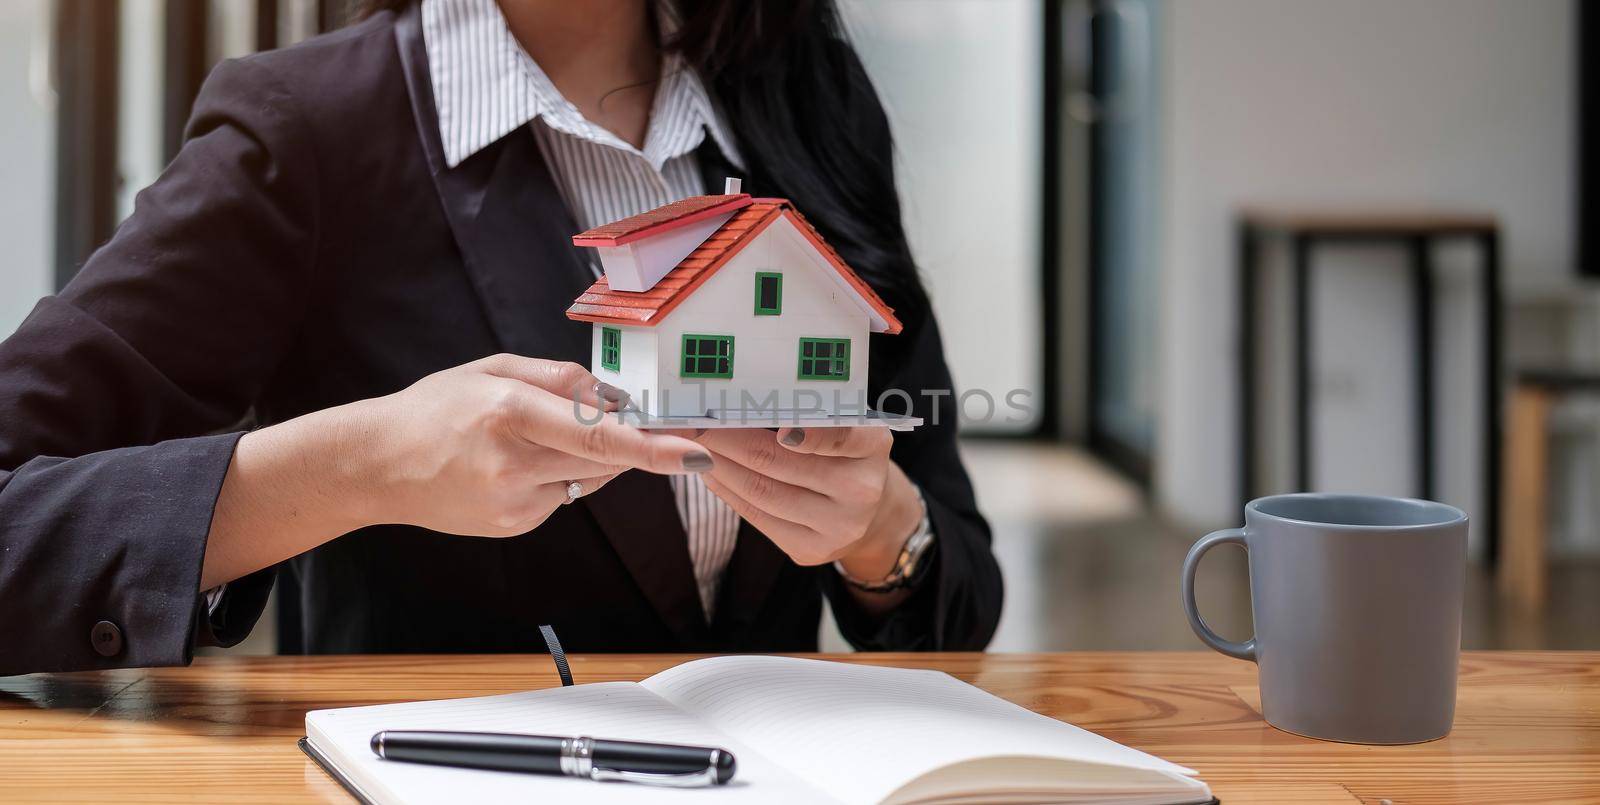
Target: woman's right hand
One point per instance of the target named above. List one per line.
(488, 448)
(484, 449)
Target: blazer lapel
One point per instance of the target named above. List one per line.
(513, 230)
(746, 584)
(515, 236)
(637, 513)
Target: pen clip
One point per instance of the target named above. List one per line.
(694, 779)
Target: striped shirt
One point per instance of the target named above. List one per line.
(485, 87)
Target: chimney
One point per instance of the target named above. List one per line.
(730, 186)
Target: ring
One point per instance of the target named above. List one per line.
(574, 491)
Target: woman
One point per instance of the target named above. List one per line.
(280, 357)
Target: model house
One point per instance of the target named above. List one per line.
(729, 307)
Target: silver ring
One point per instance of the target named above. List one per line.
(574, 491)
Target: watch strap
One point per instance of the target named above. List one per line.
(911, 560)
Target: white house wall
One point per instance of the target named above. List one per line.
(636, 367)
(766, 348)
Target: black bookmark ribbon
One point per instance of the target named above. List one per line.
(557, 654)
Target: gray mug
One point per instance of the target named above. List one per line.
(1357, 608)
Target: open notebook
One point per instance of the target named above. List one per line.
(802, 730)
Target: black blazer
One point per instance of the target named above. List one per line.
(307, 248)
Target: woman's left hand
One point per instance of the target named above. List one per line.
(820, 495)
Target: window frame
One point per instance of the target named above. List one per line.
(683, 355)
(777, 309)
(801, 358)
(615, 364)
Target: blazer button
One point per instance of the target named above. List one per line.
(106, 639)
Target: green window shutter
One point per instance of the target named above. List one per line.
(769, 293)
(824, 359)
(611, 348)
(706, 356)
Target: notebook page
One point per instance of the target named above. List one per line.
(619, 710)
(860, 732)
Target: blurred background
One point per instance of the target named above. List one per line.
(1225, 247)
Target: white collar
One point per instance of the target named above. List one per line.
(485, 87)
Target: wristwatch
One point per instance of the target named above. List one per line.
(906, 566)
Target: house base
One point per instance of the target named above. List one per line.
(771, 419)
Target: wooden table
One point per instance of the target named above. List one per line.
(1527, 726)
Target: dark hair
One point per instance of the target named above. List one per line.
(809, 126)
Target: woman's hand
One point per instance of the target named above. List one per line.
(484, 449)
(821, 495)
(488, 448)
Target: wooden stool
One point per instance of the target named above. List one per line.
(1526, 506)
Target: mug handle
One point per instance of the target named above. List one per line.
(1243, 651)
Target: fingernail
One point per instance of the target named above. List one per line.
(794, 437)
(698, 462)
(610, 393)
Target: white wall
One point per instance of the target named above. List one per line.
(27, 179)
(140, 62)
(960, 81)
(636, 362)
(1465, 103)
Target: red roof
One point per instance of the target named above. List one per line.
(646, 308)
(661, 219)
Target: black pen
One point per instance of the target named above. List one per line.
(599, 760)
